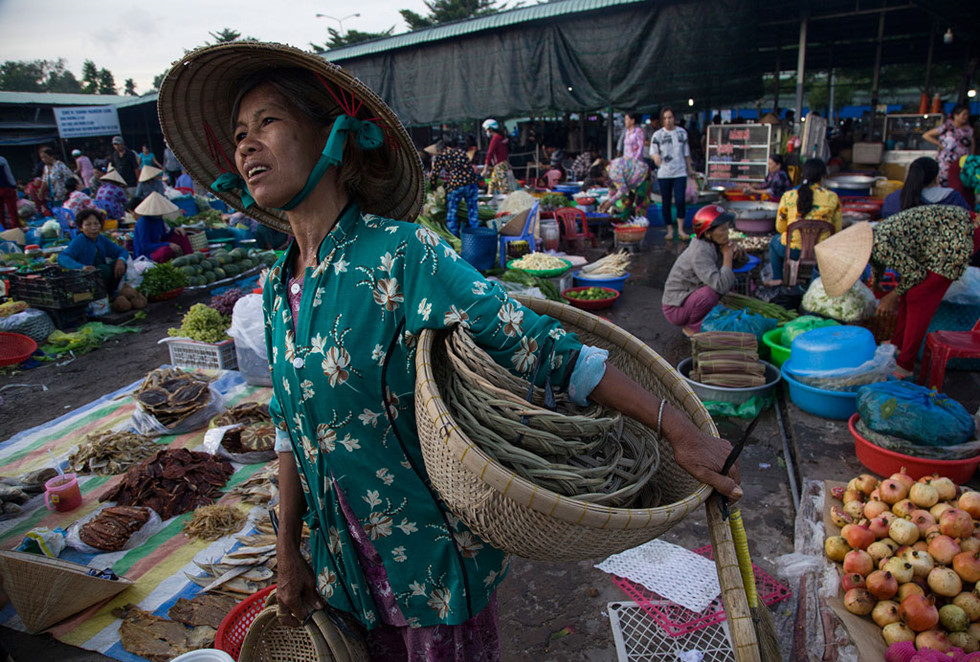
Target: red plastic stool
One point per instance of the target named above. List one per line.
(941, 346)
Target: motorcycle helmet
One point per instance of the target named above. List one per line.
(490, 125)
(710, 217)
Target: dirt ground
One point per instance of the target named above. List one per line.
(548, 612)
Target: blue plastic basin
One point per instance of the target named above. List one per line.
(830, 348)
(752, 263)
(614, 282)
(836, 405)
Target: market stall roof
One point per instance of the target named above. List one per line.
(56, 99)
(640, 54)
(568, 55)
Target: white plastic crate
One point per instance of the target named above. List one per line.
(208, 356)
(639, 638)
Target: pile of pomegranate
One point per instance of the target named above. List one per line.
(910, 552)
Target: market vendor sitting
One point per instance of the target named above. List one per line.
(150, 181)
(776, 183)
(921, 188)
(702, 274)
(152, 237)
(111, 195)
(93, 251)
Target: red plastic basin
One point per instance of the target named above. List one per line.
(885, 462)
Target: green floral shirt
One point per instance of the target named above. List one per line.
(373, 275)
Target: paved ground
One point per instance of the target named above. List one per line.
(549, 612)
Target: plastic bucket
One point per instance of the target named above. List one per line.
(479, 247)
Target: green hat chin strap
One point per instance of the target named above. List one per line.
(368, 136)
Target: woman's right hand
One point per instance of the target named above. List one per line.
(176, 249)
(296, 592)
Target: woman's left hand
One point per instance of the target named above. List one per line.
(119, 269)
(181, 231)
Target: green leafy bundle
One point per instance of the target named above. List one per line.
(162, 278)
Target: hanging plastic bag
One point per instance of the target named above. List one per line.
(801, 325)
(135, 269)
(966, 290)
(877, 369)
(856, 304)
(691, 191)
(724, 319)
(248, 324)
(146, 424)
(913, 412)
(152, 526)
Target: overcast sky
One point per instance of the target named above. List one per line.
(140, 39)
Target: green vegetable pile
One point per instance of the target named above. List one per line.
(162, 278)
(753, 305)
(590, 294)
(555, 201)
(548, 289)
(204, 324)
(222, 264)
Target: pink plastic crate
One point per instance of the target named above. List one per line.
(678, 621)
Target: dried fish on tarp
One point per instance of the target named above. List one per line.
(214, 521)
(260, 487)
(109, 453)
(256, 432)
(243, 412)
(16, 491)
(112, 528)
(172, 482)
(171, 395)
(205, 609)
(158, 639)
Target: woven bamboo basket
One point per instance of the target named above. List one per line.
(519, 517)
(320, 640)
(45, 591)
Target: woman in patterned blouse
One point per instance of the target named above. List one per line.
(350, 297)
(929, 247)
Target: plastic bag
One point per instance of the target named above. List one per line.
(724, 319)
(146, 424)
(801, 325)
(212, 444)
(748, 409)
(856, 304)
(135, 269)
(691, 191)
(33, 323)
(140, 536)
(966, 290)
(43, 541)
(875, 370)
(248, 324)
(913, 412)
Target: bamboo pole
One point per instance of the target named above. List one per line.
(740, 625)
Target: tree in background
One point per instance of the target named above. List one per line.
(158, 80)
(107, 83)
(227, 35)
(130, 87)
(350, 37)
(447, 11)
(37, 76)
(90, 77)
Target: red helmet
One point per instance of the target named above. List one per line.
(709, 217)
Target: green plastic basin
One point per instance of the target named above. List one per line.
(773, 339)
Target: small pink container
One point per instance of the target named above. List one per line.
(61, 493)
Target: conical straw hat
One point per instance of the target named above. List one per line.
(156, 205)
(45, 591)
(843, 257)
(195, 107)
(114, 177)
(148, 173)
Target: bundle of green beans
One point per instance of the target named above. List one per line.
(753, 305)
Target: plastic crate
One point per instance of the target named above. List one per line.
(55, 288)
(67, 318)
(204, 355)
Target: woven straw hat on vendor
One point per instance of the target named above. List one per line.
(149, 172)
(196, 107)
(843, 257)
(156, 205)
(114, 177)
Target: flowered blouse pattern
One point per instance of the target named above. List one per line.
(937, 238)
(954, 142)
(372, 275)
(826, 207)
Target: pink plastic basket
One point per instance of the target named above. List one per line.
(231, 632)
(678, 621)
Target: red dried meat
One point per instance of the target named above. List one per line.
(172, 482)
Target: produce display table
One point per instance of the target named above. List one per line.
(157, 566)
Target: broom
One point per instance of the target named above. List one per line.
(765, 627)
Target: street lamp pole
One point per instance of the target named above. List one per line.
(340, 21)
